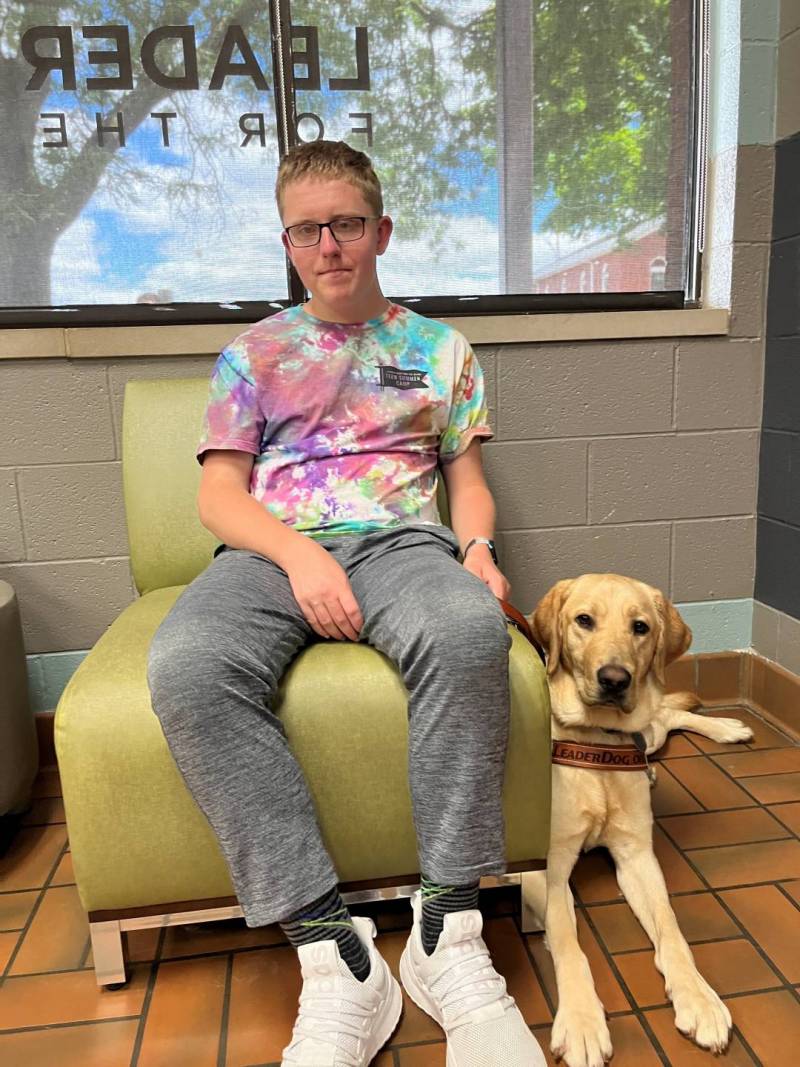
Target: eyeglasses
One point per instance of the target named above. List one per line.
(306, 234)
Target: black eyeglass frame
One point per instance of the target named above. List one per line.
(329, 225)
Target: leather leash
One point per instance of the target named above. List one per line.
(519, 622)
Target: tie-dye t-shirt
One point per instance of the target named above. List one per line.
(347, 421)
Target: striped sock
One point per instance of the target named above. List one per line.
(437, 901)
(327, 919)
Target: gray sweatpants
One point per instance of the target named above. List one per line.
(216, 662)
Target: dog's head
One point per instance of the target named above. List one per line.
(608, 640)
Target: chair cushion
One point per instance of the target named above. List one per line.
(137, 836)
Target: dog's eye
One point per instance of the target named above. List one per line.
(585, 621)
(640, 627)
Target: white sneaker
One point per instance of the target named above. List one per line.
(342, 1022)
(458, 987)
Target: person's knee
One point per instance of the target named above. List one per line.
(469, 632)
(175, 663)
(189, 668)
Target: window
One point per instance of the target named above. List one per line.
(658, 273)
(533, 154)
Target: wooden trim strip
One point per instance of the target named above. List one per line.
(119, 342)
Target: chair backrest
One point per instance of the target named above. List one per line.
(161, 426)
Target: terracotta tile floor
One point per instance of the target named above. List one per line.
(219, 995)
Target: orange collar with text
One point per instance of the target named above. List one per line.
(599, 757)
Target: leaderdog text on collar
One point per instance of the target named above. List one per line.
(599, 757)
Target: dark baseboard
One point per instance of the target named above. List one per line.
(721, 678)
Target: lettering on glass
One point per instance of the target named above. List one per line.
(168, 57)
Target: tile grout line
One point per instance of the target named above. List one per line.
(708, 811)
(736, 782)
(748, 777)
(745, 933)
(696, 799)
(739, 844)
(744, 788)
(746, 1046)
(731, 915)
(789, 897)
(738, 925)
(793, 832)
(222, 1047)
(645, 1023)
(692, 944)
(34, 911)
(728, 996)
(661, 767)
(153, 959)
(86, 950)
(148, 996)
(69, 1025)
(552, 1007)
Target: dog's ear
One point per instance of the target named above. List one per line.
(546, 621)
(674, 637)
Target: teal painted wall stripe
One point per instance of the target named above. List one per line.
(48, 675)
(717, 626)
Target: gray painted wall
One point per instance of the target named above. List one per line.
(776, 618)
(778, 561)
(636, 456)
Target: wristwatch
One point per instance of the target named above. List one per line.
(481, 541)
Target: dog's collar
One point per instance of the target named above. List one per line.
(600, 757)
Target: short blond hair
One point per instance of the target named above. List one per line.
(330, 160)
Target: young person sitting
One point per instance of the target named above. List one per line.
(325, 426)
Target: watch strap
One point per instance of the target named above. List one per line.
(480, 541)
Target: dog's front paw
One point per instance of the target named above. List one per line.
(730, 731)
(701, 1015)
(580, 1035)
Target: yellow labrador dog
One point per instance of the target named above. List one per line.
(609, 640)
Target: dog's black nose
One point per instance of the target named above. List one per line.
(613, 680)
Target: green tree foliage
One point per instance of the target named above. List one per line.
(602, 110)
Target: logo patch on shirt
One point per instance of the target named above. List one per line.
(403, 379)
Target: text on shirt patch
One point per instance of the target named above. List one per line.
(403, 379)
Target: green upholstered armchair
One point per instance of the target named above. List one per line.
(143, 853)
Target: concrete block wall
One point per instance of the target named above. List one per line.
(636, 456)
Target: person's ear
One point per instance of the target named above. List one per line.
(384, 230)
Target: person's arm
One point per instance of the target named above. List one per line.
(229, 511)
(472, 514)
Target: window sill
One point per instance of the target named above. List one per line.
(114, 342)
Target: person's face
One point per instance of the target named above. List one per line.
(340, 276)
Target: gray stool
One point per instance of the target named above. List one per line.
(19, 751)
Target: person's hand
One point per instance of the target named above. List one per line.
(322, 590)
(479, 562)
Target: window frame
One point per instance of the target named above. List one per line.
(246, 311)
